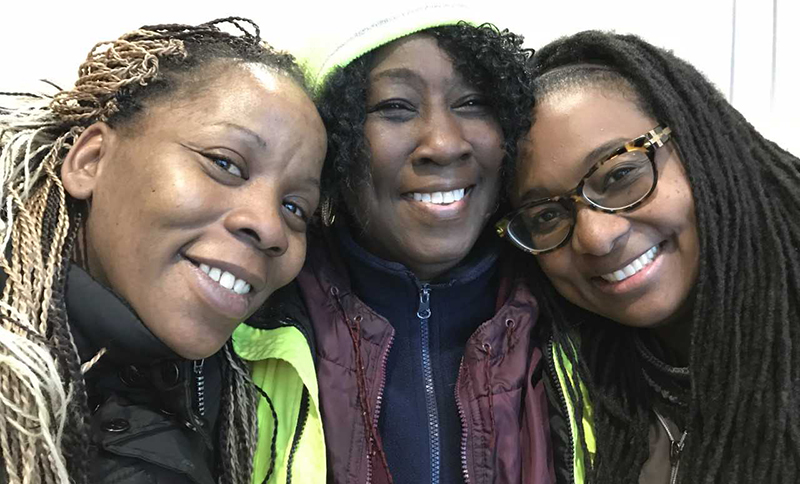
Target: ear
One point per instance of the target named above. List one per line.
(84, 162)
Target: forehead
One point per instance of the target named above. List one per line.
(260, 112)
(415, 58)
(568, 127)
(240, 93)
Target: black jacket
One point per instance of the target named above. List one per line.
(146, 425)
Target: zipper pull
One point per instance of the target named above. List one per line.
(424, 311)
(675, 449)
(200, 385)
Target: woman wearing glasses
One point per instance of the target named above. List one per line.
(669, 229)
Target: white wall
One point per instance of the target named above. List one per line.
(746, 47)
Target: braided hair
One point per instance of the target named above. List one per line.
(744, 364)
(44, 416)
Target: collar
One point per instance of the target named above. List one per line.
(481, 258)
(372, 277)
(99, 319)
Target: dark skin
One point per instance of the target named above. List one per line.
(431, 135)
(656, 294)
(225, 180)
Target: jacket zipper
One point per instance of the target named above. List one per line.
(376, 412)
(464, 434)
(424, 314)
(675, 448)
(302, 418)
(200, 386)
(570, 455)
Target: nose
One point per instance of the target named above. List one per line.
(598, 233)
(258, 220)
(443, 139)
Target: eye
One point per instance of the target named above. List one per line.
(225, 165)
(545, 218)
(618, 174)
(474, 102)
(623, 175)
(398, 109)
(296, 210)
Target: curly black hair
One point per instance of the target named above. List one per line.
(744, 362)
(492, 60)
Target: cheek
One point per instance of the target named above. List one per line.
(562, 274)
(488, 142)
(289, 264)
(388, 152)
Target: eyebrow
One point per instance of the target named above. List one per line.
(249, 133)
(398, 73)
(595, 155)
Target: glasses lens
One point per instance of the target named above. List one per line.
(621, 181)
(541, 227)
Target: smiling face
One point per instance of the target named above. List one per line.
(198, 208)
(655, 246)
(436, 153)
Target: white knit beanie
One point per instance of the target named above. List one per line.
(361, 30)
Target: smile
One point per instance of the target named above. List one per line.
(440, 198)
(226, 279)
(637, 265)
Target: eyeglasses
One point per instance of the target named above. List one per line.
(617, 183)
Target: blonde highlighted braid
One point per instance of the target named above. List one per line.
(44, 429)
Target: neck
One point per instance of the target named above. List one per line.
(676, 337)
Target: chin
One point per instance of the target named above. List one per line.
(196, 350)
(645, 321)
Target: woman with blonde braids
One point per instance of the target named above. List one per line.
(145, 213)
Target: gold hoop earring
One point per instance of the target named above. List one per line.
(328, 212)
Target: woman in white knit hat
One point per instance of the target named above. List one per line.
(423, 330)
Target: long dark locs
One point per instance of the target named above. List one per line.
(744, 413)
(44, 430)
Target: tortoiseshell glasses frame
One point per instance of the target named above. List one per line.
(619, 182)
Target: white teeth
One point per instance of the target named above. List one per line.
(638, 264)
(226, 279)
(214, 273)
(440, 198)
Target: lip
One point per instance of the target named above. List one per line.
(226, 303)
(634, 282)
(256, 283)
